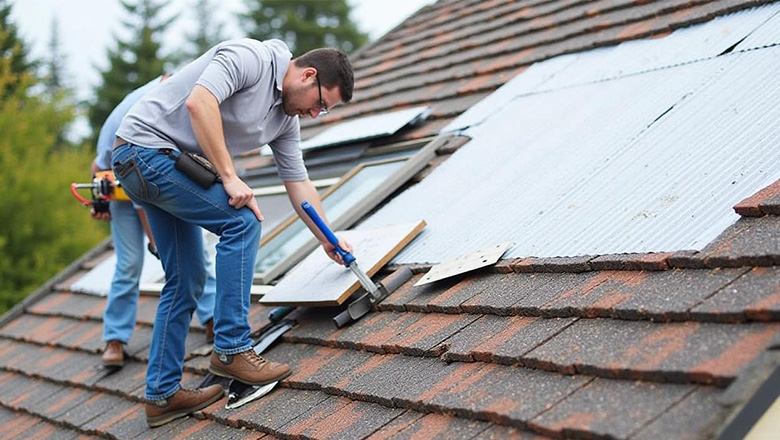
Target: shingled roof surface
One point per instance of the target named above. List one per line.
(644, 346)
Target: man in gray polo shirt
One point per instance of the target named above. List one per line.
(237, 97)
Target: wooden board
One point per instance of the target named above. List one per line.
(317, 280)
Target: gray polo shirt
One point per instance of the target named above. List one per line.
(245, 76)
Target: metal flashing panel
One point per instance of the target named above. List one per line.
(644, 163)
(464, 263)
(368, 127)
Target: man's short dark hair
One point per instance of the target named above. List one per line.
(333, 68)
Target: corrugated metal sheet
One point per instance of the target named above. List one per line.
(684, 45)
(368, 127)
(649, 162)
(766, 35)
(522, 84)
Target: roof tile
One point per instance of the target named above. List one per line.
(130, 380)
(339, 418)
(502, 339)
(273, 411)
(498, 393)
(35, 328)
(425, 336)
(753, 296)
(497, 432)
(438, 426)
(397, 425)
(677, 352)
(498, 293)
(750, 241)
(597, 297)
(65, 304)
(669, 295)
(62, 402)
(20, 424)
(556, 264)
(122, 419)
(607, 408)
(766, 201)
(649, 261)
(92, 407)
(691, 419)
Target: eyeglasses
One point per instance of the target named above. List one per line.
(323, 107)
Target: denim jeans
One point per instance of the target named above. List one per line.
(176, 206)
(122, 305)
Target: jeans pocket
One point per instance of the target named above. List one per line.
(133, 181)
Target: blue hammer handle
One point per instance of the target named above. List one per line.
(315, 217)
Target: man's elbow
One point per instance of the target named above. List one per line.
(193, 104)
(197, 101)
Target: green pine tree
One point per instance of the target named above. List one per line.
(55, 62)
(303, 24)
(133, 62)
(56, 92)
(13, 47)
(208, 31)
(42, 228)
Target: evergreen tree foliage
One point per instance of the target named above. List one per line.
(42, 228)
(55, 62)
(133, 62)
(13, 47)
(208, 32)
(56, 92)
(303, 24)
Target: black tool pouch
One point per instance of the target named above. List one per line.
(197, 168)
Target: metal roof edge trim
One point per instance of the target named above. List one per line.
(48, 286)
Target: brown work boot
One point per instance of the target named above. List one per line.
(113, 355)
(248, 367)
(209, 326)
(160, 412)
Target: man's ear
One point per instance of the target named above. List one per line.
(308, 72)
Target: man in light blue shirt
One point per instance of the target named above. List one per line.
(235, 98)
(128, 224)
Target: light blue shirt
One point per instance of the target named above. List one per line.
(105, 142)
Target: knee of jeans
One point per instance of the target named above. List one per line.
(244, 223)
(129, 268)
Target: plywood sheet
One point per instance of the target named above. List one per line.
(317, 280)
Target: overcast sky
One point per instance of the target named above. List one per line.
(87, 28)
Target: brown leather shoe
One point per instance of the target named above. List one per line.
(209, 326)
(248, 367)
(113, 355)
(160, 412)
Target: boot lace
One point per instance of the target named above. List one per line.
(253, 358)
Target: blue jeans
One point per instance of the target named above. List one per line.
(122, 305)
(176, 206)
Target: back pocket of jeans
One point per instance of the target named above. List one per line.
(133, 181)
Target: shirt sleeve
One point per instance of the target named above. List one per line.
(288, 155)
(236, 65)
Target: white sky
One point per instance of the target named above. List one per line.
(88, 27)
